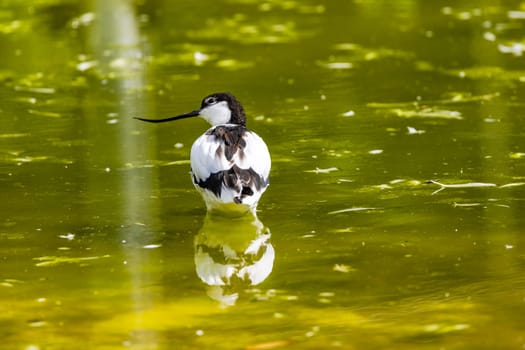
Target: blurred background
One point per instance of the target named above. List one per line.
(394, 218)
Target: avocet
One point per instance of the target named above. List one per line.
(230, 165)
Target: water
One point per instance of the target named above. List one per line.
(106, 245)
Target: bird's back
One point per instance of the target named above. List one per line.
(230, 166)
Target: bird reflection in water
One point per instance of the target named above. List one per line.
(232, 255)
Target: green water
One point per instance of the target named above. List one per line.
(105, 244)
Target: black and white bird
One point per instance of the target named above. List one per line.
(230, 165)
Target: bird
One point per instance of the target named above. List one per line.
(230, 164)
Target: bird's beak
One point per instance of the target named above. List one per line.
(194, 113)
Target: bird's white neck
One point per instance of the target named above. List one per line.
(217, 114)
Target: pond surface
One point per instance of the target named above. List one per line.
(394, 219)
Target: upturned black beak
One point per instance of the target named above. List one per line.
(191, 114)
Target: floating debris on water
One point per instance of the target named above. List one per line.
(414, 131)
(516, 14)
(443, 329)
(465, 205)
(383, 187)
(343, 230)
(269, 345)
(83, 20)
(517, 155)
(200, 58)
(69, 236)
(86, 65)
(353, 209)
(28, 159)
(358, 53)
(322, 171)
(347, 46)
(14, 135)
(412, 110)
(234, 64)
(339, 181)
(343, 268)
(449, 98)
(489, 36)
(324, 300)
(461, 185)
(153, 164)
(36, 323)
(38, 90)
(396, 181)
(175, 162)
(336, 65)
(44, 114)
(314, 330)
(152, 246)
(515, 48)
(427, 113)
(513, 184)
(28, 100)
(56, 260)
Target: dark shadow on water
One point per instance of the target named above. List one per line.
(232, 255)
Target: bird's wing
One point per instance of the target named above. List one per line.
(255, 155)
(207, 157)
(217, 151)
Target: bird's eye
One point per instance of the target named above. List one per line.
(211, 100)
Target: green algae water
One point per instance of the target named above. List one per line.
(394, 218)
